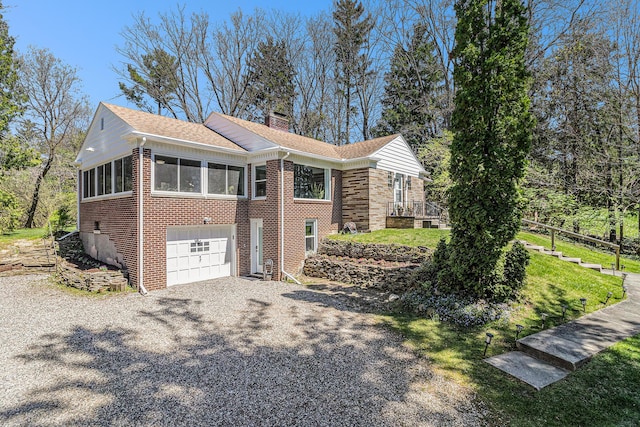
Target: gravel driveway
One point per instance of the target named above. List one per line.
(225, 352)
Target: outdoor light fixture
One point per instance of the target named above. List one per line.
(487, 341)
(543, 316)
(519, 329)
(624, 290)
(564, 311)
(583, 301)
(613, 268)
(608, 297)
(624, 277)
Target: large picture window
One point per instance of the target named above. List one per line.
(225, 179)
(173, 174)
(260, 181)
(310, 182)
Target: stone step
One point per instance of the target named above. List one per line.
(573, 260)
(596, 267)
(532, 371)
(554, 350)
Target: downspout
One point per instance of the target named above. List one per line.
(282, 220)
(141, 287)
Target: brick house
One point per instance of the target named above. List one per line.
(176, 202)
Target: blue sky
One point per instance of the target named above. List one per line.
(84, 33)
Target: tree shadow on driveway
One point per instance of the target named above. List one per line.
(173, 362)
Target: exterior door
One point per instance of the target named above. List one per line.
(398, 191)
(256, 245)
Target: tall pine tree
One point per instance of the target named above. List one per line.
(493, 127)
(271, 80)
(352, 29)
(413, 87)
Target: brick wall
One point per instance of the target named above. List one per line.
(118, 220)
(355, 197)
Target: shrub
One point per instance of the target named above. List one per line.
(9, 212)
(59, 220)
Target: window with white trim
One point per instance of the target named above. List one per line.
(175, 174)
(109, 178)
(311, 236)
(260, 181)
(225, 179)
(310, 182)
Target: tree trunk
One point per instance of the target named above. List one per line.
(36, 193)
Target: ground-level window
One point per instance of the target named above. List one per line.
(310, 182)
(225, 179)
(175, 174)
(311, 236)
(260, 181)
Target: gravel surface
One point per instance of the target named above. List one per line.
(224, 352)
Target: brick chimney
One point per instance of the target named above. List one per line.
(277, 121)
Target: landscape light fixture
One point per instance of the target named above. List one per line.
(519, 329)
(613, 268)
(624, 290)
(624, 277)
(543, 316)
(487, 341)
(564, 311)
(608, 297)
(583, 301)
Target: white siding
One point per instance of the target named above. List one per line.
(102, 145)
(396, 156)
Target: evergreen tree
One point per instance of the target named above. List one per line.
(157, 79)
(271, 80)
(412, 91)
(352, 29)
(10, 99)
(492, 126)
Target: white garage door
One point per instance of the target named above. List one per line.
(199, 253)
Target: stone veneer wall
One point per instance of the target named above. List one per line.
(366, 195)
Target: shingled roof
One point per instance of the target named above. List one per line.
(366, 148)
(167, 127)
(154, 124)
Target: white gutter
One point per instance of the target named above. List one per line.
(282, 220)
(141, 287)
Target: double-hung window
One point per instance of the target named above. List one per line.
(260, 181)
(311, 236)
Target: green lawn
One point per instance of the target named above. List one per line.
(585, 253)
(428, 237)
(25, 233)
(604, 392)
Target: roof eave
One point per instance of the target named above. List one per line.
(132, 137)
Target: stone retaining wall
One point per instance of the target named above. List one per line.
(376, 251)
(386, 278)
(93, 280)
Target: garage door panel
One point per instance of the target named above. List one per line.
(198, 253)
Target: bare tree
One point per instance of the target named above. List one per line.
(56, 110)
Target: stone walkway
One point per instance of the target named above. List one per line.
(550, 355)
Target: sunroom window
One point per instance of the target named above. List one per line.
(123, 172)
(310, 182)
(173, 174)
(225, 179)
